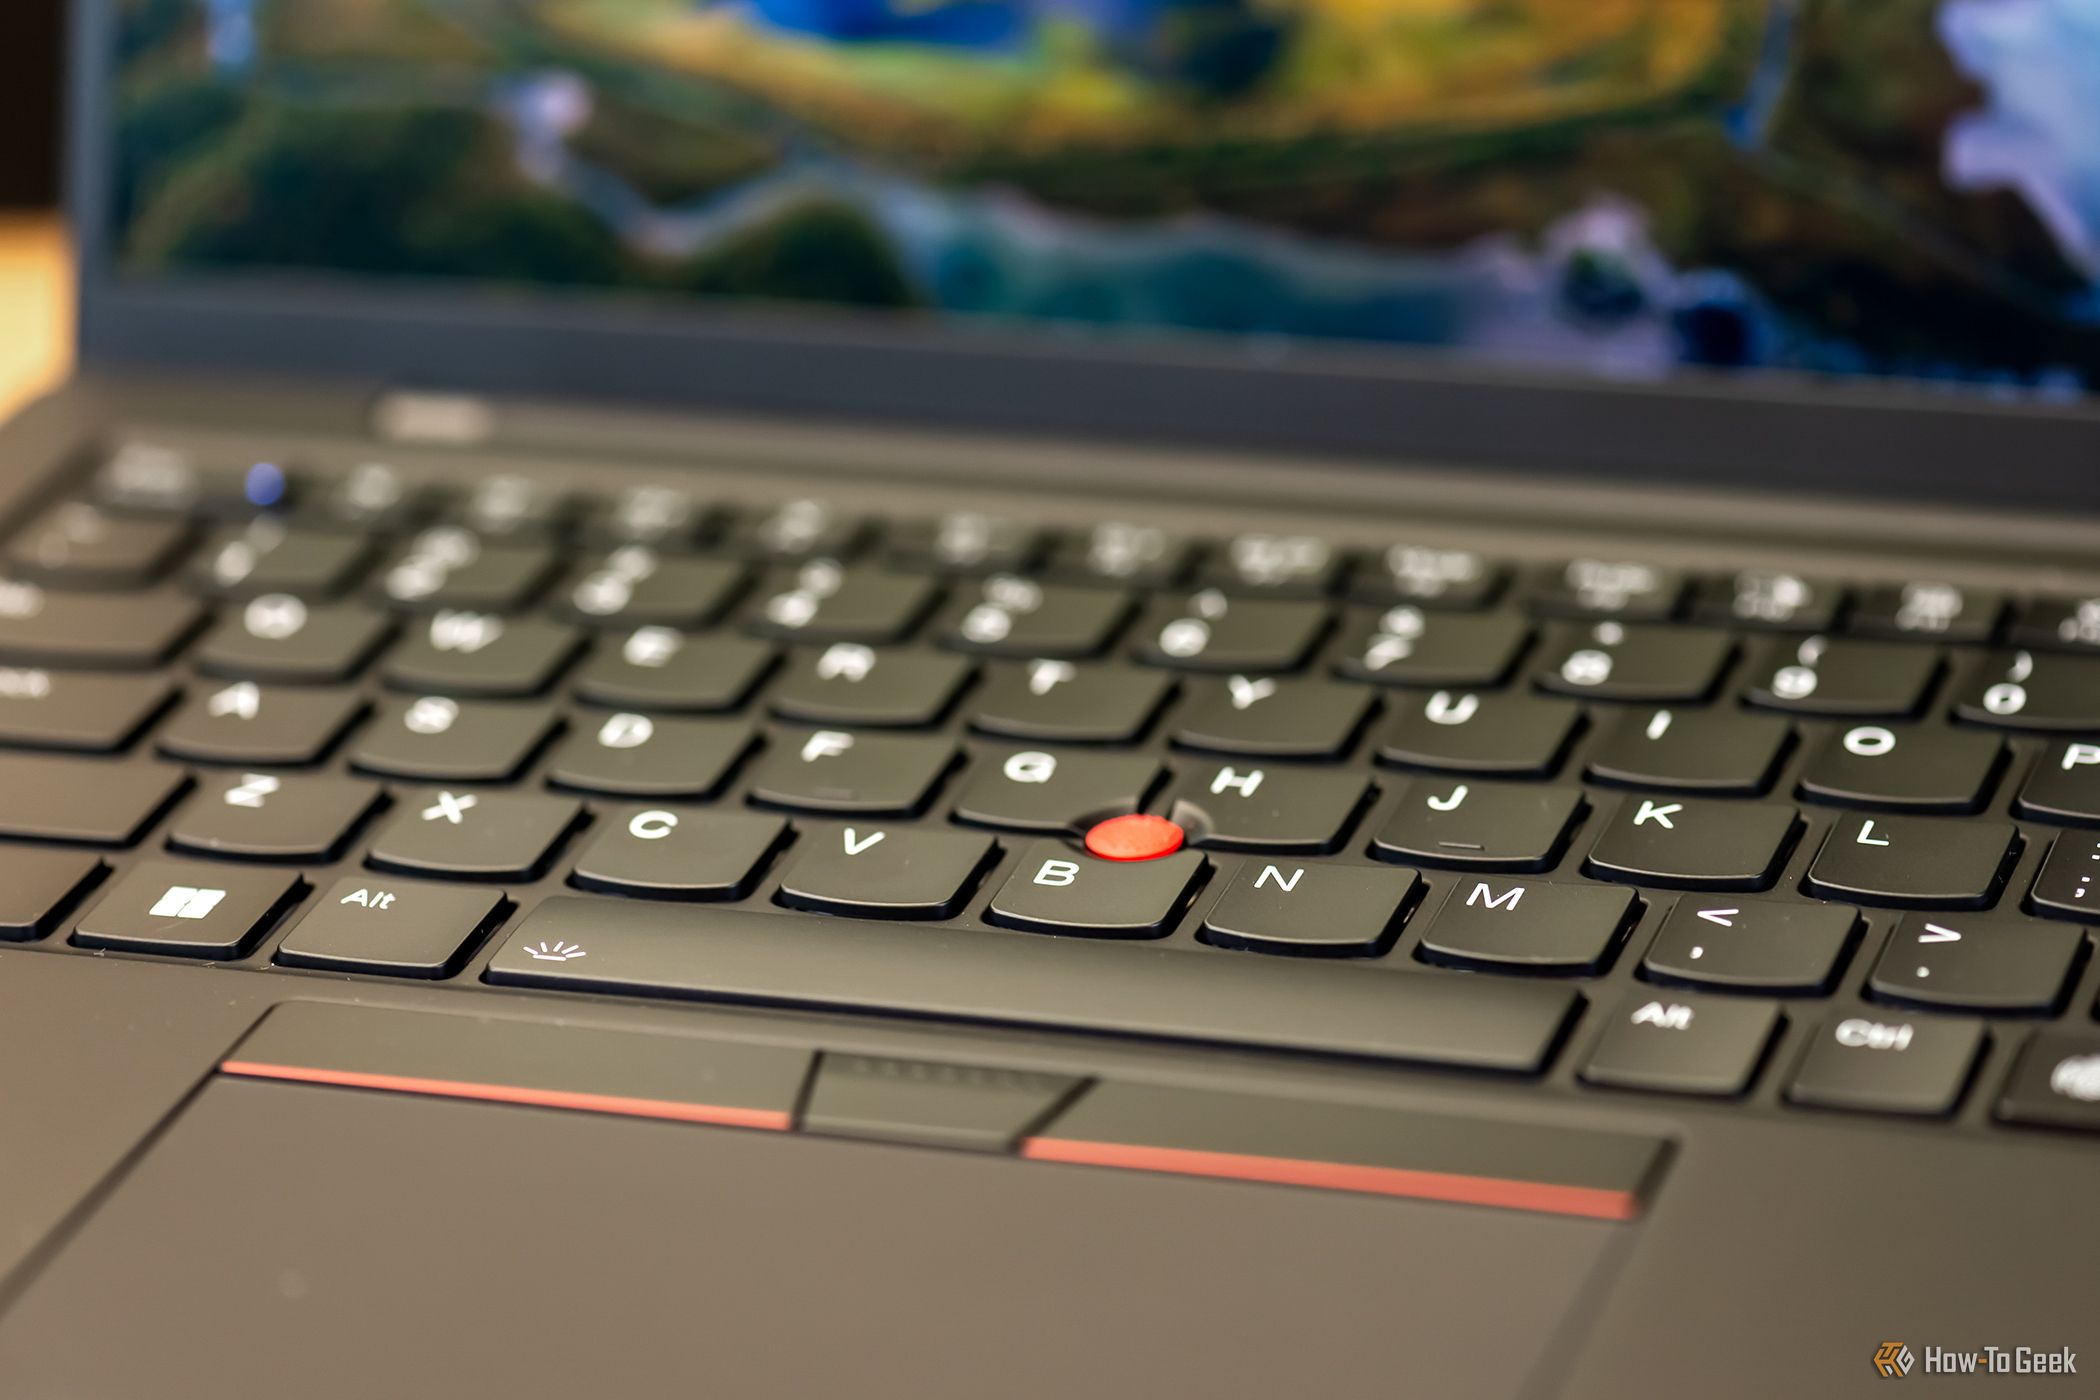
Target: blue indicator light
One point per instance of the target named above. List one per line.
(265, 484)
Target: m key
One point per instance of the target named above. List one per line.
(1524, 926)
(1687, 843)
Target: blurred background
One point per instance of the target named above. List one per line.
(34, 281)
(29, 86)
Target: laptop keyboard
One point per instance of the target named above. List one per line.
(1612, 824)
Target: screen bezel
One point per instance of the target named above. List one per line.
(1767, 431)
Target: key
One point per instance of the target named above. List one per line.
(1265, 717)
(2055, 1083)
(513, 505)
(801, 529)
(1842, 677)
(1036, 790)
(2068, 624)
(875, 873)
(187, 909)
(1529, 926)
(151, 477)
(85, 711)
(667, 853)
(656, 668)
(1282, 566)
(101, 631)
(1329, 911)
(281, 638)
(471, 653)
(392, 928)
(1895, 1065)
(829, 770)
(1405, 645)
(634, 586)
(267, 816)
(2068, 886)
(1479, 826)
(1706, 751)
(1943, 612)
(1687, 843)
(372, 498)
(39, 888)
(473, 835)
(1208, 631)
(1752, 945)
(1431, 577)
(1010, 616)
(851, 684)
(2064, 786)
(1683, 1044)
(1915, 767)
(2000, 965)
(1913, 861)
(825, 601)
(966, 542)
(1119, 552)
(78, 544)
(265, 556)
(661, 517)
(2025, 690)
(86, 803)
(634, 755)
(1055, 890)
(447, 566)
(1464, 732)
(266, 726)
(1052, 701)
(1614, 661)
(1608, 588)
(435, 738)
(1266, 809)
(1769, 600)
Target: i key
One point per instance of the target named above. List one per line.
(1478, 826)
(1711, 751)
(1530, 927)
(1913, 861)
(879, 873)
(2002, 965)
(1686, 843)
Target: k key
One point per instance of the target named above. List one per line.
(1688, 843)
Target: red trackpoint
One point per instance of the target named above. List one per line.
(1135, 837)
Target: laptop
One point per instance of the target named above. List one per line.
(790, 698)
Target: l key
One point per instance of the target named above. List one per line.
(1913, 861)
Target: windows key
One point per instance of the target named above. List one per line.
(187, 909)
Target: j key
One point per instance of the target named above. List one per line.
(282, 638)
(2070, 624)
(662, 517)
(1478, 826)
(1761, 598)
(266, 556)
(394, 929)
(102, 631)
(1530, 927)
(1683, 1044)
(1274, 808)
(1405, 645)
(2029, 690)
(1752, 945)
(2068, 886)
(802, 529)
(88, 711)
(1069, 702)
(1690, 843)
(1609, 588)
(2055, 1082)
(1010, 616)
(1055, 890)
(516, 506)
(265, 816)
(450, 567)
(435, 738)
(1328, 911)
(1711, 751)
(89, 804)
(1123, 553)
(371, 498)
(187, 909)
(1892, 1064)
(1264, 716)
(1842, 677)
(824, 601)
(1940, 612)
(635, 586)
(263, 725)
(966, 542)
(1913, 861)
(2001, 965)
(631, 755)
(875, 873)
(829, 770)
(81, 545)
(1434, 578)
(662, 853)
(1296, 566)
(1035, 790)
(1462, 732)
(1613, 661)
(472, 835)
(38, 888)
(850, 684)
(473, 653)
(1917, 767)
(655, 668)
(1208, 631)
(2064, 786)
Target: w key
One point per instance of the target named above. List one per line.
(1691, 844)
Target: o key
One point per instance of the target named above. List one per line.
(1134, 837)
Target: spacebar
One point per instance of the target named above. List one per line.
(1028, 979)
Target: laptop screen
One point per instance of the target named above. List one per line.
(1899, 188)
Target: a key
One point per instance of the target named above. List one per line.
(80, 545)
(1463, 732)
(394, 928)
(830, 770)
(1038, 790)
(448, 566)
(2000, 965)
(1264, 716)
(1752, 945)
(678, 853)
(636, 755)
(800, 529)
(1606, 588)
(871, 872)
(656, 668)
(1924, 768)
(370, 498)
(1409, 645)
(1617, 661)
(1913, 861)
(1209, 631)
(84, 803)
(1769, 599)
(1705, 751)
(267, 556)
(661, 517)
(1328, 911)
(96, 631)
(434, 738)
(2033, 691)
(474, 653)
(1052, 701)
(2055, 1083)
(2065, 624)
(188, 909)
(1478, 826)
(1843, 677)
(517, 506)
(1266, 808)
(38, 888)
(1011, 616)
(825, 601)
(850, 684)
(635, 586)
(472, 835)
(1529, 926)
(966, 542)
(1053, 889)
(1119, 552)
(1691, 843)
(1940, 612)
(87, 711)
(270, 816)
(264, 725)
(2064, 786)
(282, 638)
(1285, 566)
(2068, 885)
(1889, 1064)
(1431, 577)
(1674, 1043)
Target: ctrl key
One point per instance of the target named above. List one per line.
(1893, 1065)
(2055, 1083)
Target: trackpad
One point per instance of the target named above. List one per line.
(285, 1239)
